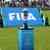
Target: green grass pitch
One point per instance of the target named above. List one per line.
(9, 37)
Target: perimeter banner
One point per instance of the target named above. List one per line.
(12, 16)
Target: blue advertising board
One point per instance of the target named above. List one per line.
(11, 16)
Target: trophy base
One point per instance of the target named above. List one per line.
(26, 39)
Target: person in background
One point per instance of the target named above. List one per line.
(1, 21)
(12, 4)
(42, 16)
(21, 4)
(0, 3)
(34, 3)
(46, 21)
(26, 4)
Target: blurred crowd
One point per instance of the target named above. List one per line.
(24, 3)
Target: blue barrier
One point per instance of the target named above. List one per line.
(11, 16)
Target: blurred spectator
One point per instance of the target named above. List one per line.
(43, 3)
(6, 4)
(46, 21)
(1, 21)
(30, 3)
(47, 3)
(26, 3)
(0, 3)
(12, 4)
(34, 3)
(17, 4)
(21, 4)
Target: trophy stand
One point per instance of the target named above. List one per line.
(26, 38)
